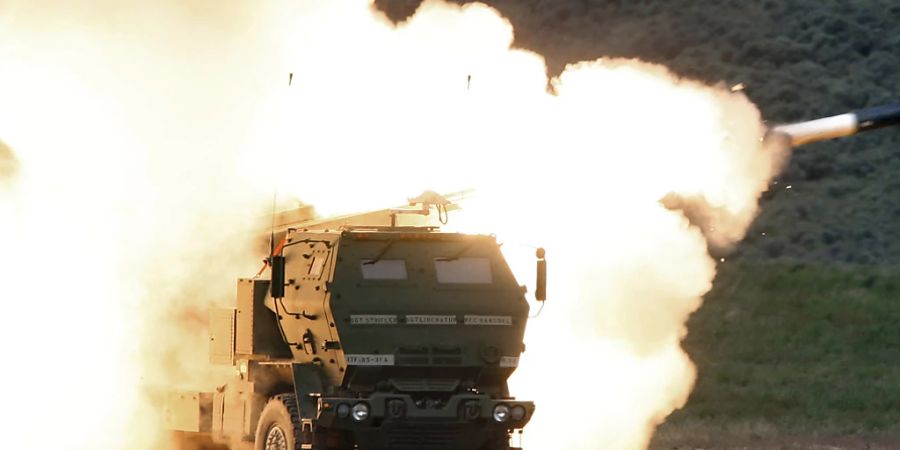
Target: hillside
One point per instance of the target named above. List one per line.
(794, 351)
(798, 59)
(795, 344)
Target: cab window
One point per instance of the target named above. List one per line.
(469, 270)
(385, 269)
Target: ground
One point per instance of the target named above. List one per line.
(794, 356)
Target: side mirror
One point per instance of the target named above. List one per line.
(540, 291)
(277, 284)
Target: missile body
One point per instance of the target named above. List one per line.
(848, 124)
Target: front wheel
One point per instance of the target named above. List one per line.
(279, 425)
(280, 428)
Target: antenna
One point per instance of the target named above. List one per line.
(267, 262)
(275, 195)
(272, 233)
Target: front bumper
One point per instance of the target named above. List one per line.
(463, 408)
(464, 421)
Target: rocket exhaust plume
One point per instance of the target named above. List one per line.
(149, 140)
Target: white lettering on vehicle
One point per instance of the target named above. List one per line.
(509, 361)
(370, 360)
(424, 319)
(373, 319)
(488, 320)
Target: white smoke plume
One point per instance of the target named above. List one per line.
(150, 139)
(129, 213)
(9, 166)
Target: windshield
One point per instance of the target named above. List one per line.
(385, 269)
(469, 270)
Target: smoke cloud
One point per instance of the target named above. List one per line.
(130, 213)
(9, 165)
(150, 140)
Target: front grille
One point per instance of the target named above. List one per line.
(446, 360)
(423, 438)
(446, 350)
(424, 356)
(424, 385)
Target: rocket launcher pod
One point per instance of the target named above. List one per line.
(801, 133)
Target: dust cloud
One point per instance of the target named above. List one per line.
(9, 165)
(130, 212)
(150, 140)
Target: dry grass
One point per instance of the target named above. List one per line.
(794, 356)
(762, 435)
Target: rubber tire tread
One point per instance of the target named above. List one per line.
(289, 402)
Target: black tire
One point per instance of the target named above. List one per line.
(279, 425)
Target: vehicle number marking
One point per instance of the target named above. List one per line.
(509, 361)
(488, 320)
(370, 360)
(419, 319)
(373, 319)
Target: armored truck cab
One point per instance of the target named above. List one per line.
(369, 338)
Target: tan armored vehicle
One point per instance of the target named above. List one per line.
(369, 335)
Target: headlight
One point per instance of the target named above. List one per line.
(343, 410)
(360, 412)
(517, 413)
(501, 413)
